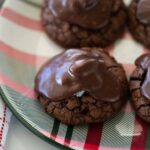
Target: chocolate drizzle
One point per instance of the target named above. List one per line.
(76, 70)
(91, 14)
(143, 11)
(144, 63)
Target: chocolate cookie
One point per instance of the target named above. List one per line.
(139, 21)
(140, 87)
(81, 86)
(84, 23)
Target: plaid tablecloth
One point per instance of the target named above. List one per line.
(128, 133)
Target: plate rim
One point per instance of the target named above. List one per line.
(28, 126)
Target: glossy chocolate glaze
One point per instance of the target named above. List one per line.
(76, 70)
(144, 63)
(143, 11)
(91, 14)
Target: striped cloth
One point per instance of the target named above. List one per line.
(24, 44)
(5, 116)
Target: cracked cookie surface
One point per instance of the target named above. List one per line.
(70, 35)
(85, 109)
(140, 30)
(139, 100)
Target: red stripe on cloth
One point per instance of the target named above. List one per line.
(93, 136)
(21, 56)
(26, 91)
(139, 135)
(3, 124)
(129, 68)
(20, 19)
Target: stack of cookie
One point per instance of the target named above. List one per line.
(86, 85)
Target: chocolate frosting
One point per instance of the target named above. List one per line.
(144, 63)
(76, 70)
(91, 14)
(143, 11)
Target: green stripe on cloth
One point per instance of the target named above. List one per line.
(17, 71)
(68, 134)
(55, 127)
(118, 132)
